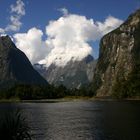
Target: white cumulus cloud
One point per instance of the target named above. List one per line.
(67, 39)
(31, 44)
(109, 24)
(18, 8)
(2, 31)
(17, 11)
(64, 11)
(69, 36)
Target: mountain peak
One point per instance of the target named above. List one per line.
(6, 42)
(74, 74)
(89, 59)
(15, 66)
(7, 37)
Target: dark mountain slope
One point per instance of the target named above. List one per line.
(15, 66)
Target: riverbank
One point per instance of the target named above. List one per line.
(67, 99)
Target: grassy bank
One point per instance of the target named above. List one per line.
(64, 99)
(68, 99)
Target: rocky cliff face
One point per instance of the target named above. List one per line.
(15, 66)
(73, 75)
(119, 58)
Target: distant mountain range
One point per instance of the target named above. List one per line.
(15, 67)
(74, 74)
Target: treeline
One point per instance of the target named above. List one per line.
(31, 92)
(122, 89)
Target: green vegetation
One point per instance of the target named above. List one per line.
(33, 92)
(13, 126)
(130, 87)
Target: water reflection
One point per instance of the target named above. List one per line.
(83, 120)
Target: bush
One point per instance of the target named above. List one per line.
(13, 126)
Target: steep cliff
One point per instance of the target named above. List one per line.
(15, 67)
(118, 68)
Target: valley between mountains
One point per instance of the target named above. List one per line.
(116, 73)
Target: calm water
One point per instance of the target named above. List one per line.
(82, 120)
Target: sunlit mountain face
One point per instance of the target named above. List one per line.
(74, 74)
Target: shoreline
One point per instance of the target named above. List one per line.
(67, 99)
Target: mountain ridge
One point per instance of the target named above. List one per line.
(73, 75)
(15, 68)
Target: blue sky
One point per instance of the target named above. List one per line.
(40, 12)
